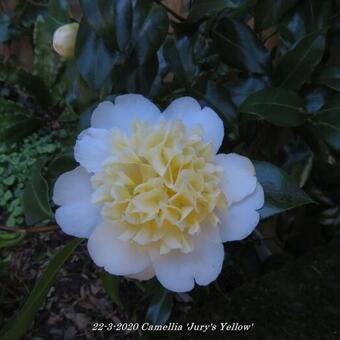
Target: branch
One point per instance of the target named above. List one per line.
(35, 3)
(173, 13)
(30, 230)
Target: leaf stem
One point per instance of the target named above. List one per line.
(35, 3)
(168, 9)
(43, 229)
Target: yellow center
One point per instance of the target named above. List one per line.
(161, 186)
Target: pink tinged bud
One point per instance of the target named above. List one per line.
(64, 40)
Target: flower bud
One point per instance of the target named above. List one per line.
(64, 40)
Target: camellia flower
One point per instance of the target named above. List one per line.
(64, 39)
(152, 196)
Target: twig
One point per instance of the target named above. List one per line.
(173, 13)
(29, 230)
(34, 3)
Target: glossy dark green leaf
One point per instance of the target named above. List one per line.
(207, 8)
(316, 98)
(241, 89)
(25, 81)
(308, 17)
(217, 97)
(160, 307)
(149, 28)
(123, 23)
(9, 107)
(329, 77)
(269, 13)
(5, 22)
(22, 321)
(282, 193)
(296, 66)
(101, 17)
(111, 286)
(58, 13)
(328, 121)
(59, 165)
(239, 46)
(179, 55)
(16, 122)
(141, 78)
(43, 53)
(94, 60)
(36, 198)
(281, 107)
(298, 161)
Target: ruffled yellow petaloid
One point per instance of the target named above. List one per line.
(161, 185)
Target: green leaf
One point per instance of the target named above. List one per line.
(11, 107)
(299, 161)
(269, 13)
(240, 90)
(141, 78)
(18, 327)
(160, 307)
(328, 121)
(316, 98)
(281, 107)
(141, 28)
(123, 23)
(296, 66)
(43, 53)
(217, 97)
(111, 286)
(101, 17)
(149, 28)
(137, 27)
(23, 80)
(10, 239)
(16, 122)
(207, 8)
(59, 165)
(239, 46)
(58, 14)
(179, 55)
(308, 17)
(94, 60)
(329, 77)
(5, 22)
(281, 192)
(36, 199)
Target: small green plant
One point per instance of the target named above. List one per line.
(15, 163)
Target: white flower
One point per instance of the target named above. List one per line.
(64, 39)
(152, 196)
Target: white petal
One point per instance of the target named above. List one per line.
(116, 256)
(78, 219)
(238, 177)
(92, 149)
(188, 110)
(72, 186)
(146, 274)
(211, 233)
(124, 112)
(178, 272)
(207, 259)
(173, 270)
(242, 218)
